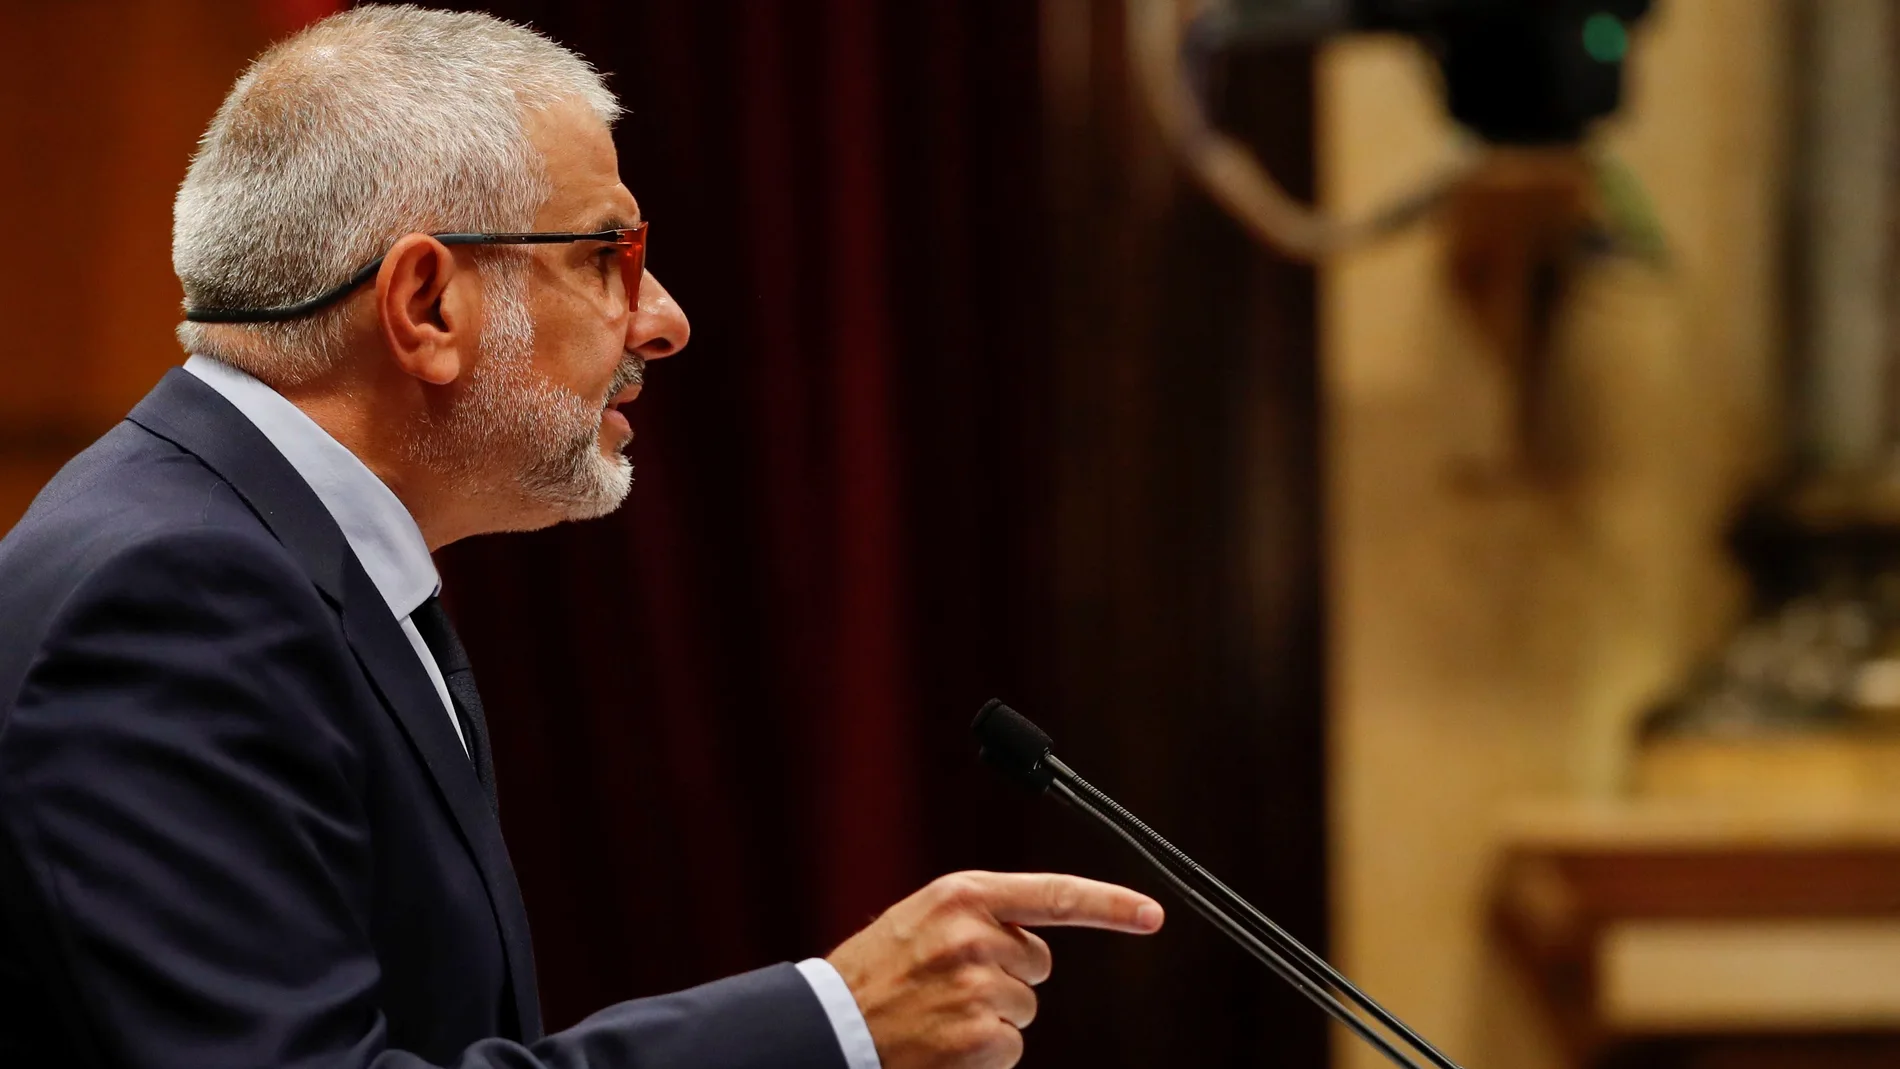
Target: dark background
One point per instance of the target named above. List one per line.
(971, 410)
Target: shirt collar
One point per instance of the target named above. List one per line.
(379, 529)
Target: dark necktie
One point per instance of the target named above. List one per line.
(439, 635)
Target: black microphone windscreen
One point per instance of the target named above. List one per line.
(1014, 745)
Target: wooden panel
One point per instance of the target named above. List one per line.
(1673, 824)
(1670, 934)
(1493, 646)
(1692, 976)
(1801, 771)
(1756, 1052)
(101, 102)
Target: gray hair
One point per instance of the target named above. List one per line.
(371, 124)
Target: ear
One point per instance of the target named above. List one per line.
(429, 316)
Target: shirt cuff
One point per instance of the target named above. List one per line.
(854, 1036)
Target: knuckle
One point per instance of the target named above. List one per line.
(989, 1039)
(959, 890)
(971, 983)
(973, 948)
(971, 1037)
(1064, 899)
(1016, 1003)
(964, 942)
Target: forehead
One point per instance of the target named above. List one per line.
(582, 166)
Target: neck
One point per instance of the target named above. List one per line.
(375, 421)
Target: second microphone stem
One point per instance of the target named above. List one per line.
(1251, 927)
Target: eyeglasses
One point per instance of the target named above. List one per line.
(630, 242)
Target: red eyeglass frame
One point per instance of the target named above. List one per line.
(631, 241)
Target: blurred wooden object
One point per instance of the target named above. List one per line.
(1803, 771)
(1662, 934)
(1489, 647)
(1845, 138)
(101, 103)
(1515, 230)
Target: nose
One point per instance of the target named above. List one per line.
(658, 327)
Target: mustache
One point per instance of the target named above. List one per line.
(631, 372)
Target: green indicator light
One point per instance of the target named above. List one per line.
(1605, 38)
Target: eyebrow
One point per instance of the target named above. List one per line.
(610, 221)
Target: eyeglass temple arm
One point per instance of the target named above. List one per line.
(305, 307)
(287, 311)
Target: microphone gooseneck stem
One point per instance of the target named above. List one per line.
(1255, 931)
(1238, 932)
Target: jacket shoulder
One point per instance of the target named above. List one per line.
(127, 486)
(132, 510)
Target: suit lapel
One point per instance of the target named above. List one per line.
(190, 414)
(391, 663)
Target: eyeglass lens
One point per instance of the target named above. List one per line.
(633, 259)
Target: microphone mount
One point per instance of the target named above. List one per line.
(1023, 752)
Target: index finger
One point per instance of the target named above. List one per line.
(1048, 899)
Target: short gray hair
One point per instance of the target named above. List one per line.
(368, 125)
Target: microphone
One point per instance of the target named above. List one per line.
(1023, 753)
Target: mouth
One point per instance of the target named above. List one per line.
(628, 379)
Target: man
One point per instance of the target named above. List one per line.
(246, 809)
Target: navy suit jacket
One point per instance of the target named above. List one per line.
(237, 830)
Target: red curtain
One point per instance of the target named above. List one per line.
(718, 714)
(937, 439)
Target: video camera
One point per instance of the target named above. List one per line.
(1516, 72)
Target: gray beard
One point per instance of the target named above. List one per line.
(574, 477)
(529, 446)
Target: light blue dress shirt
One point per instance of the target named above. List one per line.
(390, 546)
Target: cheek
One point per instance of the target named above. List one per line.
(576, 346)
